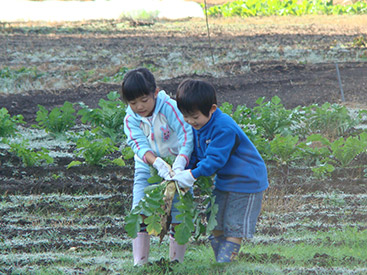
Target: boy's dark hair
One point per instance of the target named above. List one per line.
(137, 83)
(195, 95)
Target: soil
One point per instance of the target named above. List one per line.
(297, 81)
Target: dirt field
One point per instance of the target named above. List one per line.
(293, 58)
(252, 58)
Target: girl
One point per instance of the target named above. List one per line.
(155, 129)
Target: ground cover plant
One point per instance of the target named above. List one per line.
(277, 7)
(283, 150)
(275, 76)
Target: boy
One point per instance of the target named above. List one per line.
(222, 148)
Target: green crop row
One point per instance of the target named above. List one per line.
(94, 146)
(317, 137)
(248, 8)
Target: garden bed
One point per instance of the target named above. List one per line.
(71, 220)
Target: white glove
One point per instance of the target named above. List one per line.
(185, 179)
(179, 164)
(164, 169)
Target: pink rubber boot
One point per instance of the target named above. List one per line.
(176, 251)
(141, 245)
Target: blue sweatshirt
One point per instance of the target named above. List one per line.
(222, 148)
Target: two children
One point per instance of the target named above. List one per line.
(155, 129)
(215, 144)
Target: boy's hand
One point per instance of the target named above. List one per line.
(184, 179)
(163, 168)
(179, 164)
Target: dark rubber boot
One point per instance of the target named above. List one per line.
(228, 252)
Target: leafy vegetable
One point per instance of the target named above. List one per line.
(94, 150)
(274, 119)
(58, 120)
(30, 157)
(8, 124)
(247, 8)
(332, 120)
(108, 119)
(156, 207)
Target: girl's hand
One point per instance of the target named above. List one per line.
(163, 168)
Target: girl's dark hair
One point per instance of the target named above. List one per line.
(195, 95)
(137, 83)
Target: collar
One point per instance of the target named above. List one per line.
(209, 124)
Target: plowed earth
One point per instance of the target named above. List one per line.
(293, 58)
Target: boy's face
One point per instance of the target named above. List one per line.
(143, 105)
(197, 119)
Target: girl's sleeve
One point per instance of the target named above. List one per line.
(223, 143)
(182, 129)
(135, 137)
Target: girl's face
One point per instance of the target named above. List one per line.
(143, 105)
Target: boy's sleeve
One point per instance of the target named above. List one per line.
(193, 158)
(218, 152)
(182, 129)
(135, 137)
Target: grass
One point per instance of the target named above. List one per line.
(37, 238)
(342, 249)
